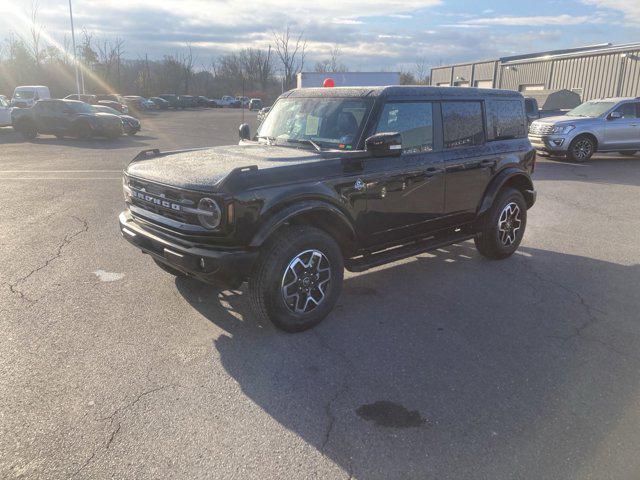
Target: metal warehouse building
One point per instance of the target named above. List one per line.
(594, 71)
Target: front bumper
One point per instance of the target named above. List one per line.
(222, 267)
(550, 143)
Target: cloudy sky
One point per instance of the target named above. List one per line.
(372, 34)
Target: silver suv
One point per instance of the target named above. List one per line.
(607, 125)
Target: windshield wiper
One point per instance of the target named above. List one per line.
(305, 141)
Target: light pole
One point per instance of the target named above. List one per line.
(75, 55)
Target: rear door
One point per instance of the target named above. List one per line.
(468, 159)
(405, 193)
(624, 133)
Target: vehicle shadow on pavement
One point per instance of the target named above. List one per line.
(616, 170)
(523, 368)
(93, 143)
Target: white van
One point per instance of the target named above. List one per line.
(26, 96)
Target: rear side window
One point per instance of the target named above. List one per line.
(462, 124)
(505, 119)
(413, 120)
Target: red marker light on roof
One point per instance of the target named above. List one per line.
(328, 83)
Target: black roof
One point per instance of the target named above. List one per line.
(402, 91)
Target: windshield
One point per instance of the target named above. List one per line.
(333, 121)
(79, 107)
(24, 95)
(591, 109)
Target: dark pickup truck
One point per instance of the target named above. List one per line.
(336, 178)
(65, 118)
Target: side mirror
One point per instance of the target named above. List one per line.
(388, 144)
(244, 131)
(614, 115)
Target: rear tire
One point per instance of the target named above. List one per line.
(628, 153)
(27, 130)
(173, 271)
(581, 149)
(503, 226)
(297, 279)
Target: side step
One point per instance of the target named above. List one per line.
(405, 251)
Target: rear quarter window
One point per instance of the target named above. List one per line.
(462, 123)
(505, 119)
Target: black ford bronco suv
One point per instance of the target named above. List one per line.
(336, 178)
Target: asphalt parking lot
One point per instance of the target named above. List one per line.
(444, 366)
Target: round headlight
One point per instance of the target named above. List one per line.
(210, 214)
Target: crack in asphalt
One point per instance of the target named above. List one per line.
(13, 286)
(341, 389)
(579, 331)
(118, 412)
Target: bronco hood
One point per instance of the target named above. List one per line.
(206, 168)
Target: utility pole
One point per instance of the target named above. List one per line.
(75, 53)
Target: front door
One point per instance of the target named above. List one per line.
(406, 192)
(624, 133)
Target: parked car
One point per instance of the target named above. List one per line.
(174, 100)
(550, 103)
(161, 103)
(606, 125)
(228, 101)
(243, 101)
(138, 103)
(262, 114)
(130, 125)
(5, 112)
(121, 107)
(188, 101)
(113, 97)
(255, 104)
(90, 99)
(65, 118)
(27, 96)
(202, 101)
(360, 178)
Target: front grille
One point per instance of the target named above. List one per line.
(541, 129)
(164, 201)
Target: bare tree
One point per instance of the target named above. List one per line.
(291, 52)
(421, 71)
(35, 34)
(332, 64)
(188, 61)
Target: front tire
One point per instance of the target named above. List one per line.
(298, 278)
(502, 227)
(581, 149)
(628, 153)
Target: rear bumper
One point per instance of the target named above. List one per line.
(228, 268)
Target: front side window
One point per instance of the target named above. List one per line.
(505, 119)
(628, 110)
(326, 121)
(413, 120)
(462, 124)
